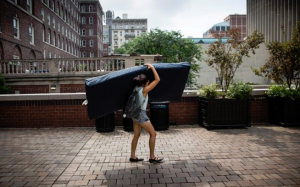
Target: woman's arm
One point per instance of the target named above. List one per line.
(153, 83)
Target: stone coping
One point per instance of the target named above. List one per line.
(81, 95)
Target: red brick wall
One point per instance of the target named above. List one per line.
(36, 114)
(72, 88)
(29, 89)
(260, 111)
(184, 111)
(70, 113)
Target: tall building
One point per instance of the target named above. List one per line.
(36, 29)
(232, 21)
(123, 30)
(109, 16)
(268, 16)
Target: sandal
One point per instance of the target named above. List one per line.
(136, 159)
(156, 160)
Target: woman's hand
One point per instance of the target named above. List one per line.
(149, 66)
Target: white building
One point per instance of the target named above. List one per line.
(123, 30)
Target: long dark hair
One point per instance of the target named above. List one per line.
(140, 80)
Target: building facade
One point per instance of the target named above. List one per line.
(268, 16)
(232, 21)
(37, 29)
(124, 30)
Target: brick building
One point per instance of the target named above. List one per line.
(50, 29)
(231, 21)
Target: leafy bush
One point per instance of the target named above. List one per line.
(276, 91)
(3, 88)
(239, 90)
(209, 91)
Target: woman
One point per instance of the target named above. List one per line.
(142, 120)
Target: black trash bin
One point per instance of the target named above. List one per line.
(105, 123)
(127, 123)
(159, 115)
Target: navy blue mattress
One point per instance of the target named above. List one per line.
(109, 93)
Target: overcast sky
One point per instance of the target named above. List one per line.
(191, 17)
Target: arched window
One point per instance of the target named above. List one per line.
(91, 20)
(83, 43)
(91, 54)
(62, 44)
(49, 36)
(82, 8)
(54, 38)
(83, 20)
(84, 54)
(90, 8)
(58, 41)
(91, 43)
(43, 14)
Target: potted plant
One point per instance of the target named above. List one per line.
(232, 110)
(226, 59)
(283, 67)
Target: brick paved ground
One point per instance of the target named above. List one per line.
(258, 156)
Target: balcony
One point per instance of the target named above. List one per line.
(129, 35)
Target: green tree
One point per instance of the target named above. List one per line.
(283, 65)
(3, 88)
(227, 58)
(168, 44)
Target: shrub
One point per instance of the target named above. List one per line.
(209, 91)
(276, 91)
(3, 88)
(239, 90)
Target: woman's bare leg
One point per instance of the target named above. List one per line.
(150, 129)
(137, 132)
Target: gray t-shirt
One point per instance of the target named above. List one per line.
(142, 98)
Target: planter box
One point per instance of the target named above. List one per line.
(223, 113)
(285, 112)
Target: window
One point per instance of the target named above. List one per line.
(91, 54)
(29, 6)
(91, 43)
(126, 26)
(83, 20)
(43, 35)
(53, 22)
(84, 54)
(43, 14)
(90, 8)
(44, 53)
(58, 42)
(217, 28)
(58, 27)
(66, 32)
(83, 32)
(62, 30)
(62, 44)
(83, 43)
(49, 37)
(223, 28)
(116, 42)
(121, 33)
(91, 31)
(16, 28)
(49, 54)
(53, 38)
(90, 20)
(54, 55)
(48, 18)
(82, 8)
(31, 35)
(52, 5)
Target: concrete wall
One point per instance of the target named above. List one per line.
(208, 75)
